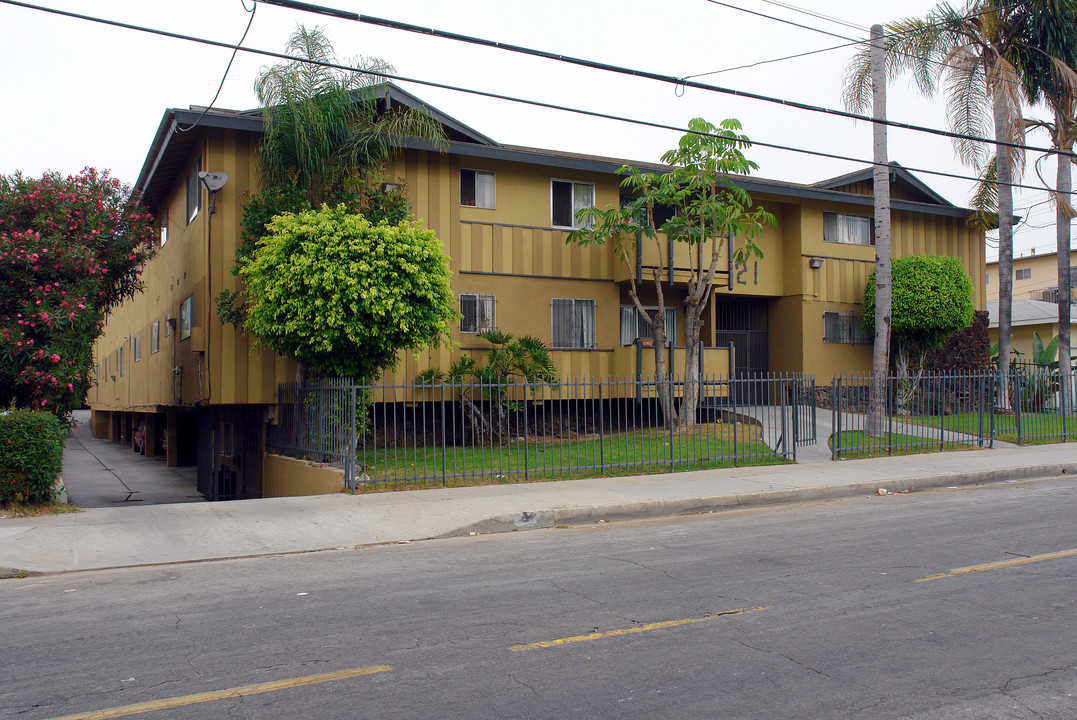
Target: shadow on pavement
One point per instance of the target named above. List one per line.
(102, 473)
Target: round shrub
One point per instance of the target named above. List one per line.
(31, 455)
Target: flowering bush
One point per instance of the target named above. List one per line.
(71, 248)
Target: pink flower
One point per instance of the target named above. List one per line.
(55, 357)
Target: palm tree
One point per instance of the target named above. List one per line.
(323, 127)
(1048, 56)
(969, 51)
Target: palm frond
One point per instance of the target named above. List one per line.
(984, 201)
(967, 105)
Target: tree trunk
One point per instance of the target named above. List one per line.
(692, 323)
(661, 370)
(880, 356)
(1062, 236)
(1005, 246)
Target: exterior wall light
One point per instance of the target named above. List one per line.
(815, 263)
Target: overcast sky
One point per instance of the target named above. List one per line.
(77, 93)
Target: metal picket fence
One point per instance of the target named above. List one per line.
(398, 435)
(955, 410)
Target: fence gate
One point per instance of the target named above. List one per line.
(803, 403)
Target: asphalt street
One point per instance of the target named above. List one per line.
(858, 608)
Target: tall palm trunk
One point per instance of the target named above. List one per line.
(1004, 166)
(1064, 181)
(880, 356)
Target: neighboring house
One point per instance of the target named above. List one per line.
(1029, 317)
(1035, 277)
(205, 397)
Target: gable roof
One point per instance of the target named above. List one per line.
(170, 152)
(897, 172)
(175, 136)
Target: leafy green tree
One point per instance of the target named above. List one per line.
(931, 299)
(971, 51)
(324, 129)
(335, 292)
(326, 140)
(708, 208)
(71, 248)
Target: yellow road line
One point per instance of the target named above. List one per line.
(1000, 564)
(168, 703)
(636, 629)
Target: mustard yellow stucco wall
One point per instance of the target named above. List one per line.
(288, 477)
(1044, 270)
(216, 364)
(511, 251)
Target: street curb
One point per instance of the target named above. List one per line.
(540, 519)
(544, 519)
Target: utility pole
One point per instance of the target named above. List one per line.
(880, 356)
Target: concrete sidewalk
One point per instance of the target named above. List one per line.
(152, 534)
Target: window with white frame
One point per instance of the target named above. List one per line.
(568, 197)
(844, 327)
(573, 323)
(185, 317)
(634, 325)
(1022, 274)
(848, 229)
(478, 313)
(477, 189)
(155, 337)
(119, 361)
(136, 352)
(194, 191)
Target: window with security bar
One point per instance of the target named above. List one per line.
(478, 313)
(573, 323)
(844, 327)
(634, 325)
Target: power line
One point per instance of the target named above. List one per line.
(254, 9)
(852, 41)
(783, 20)
(812, 13)
(783, 58)
(471, 91)
(622, 70)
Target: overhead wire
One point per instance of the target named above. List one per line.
(254, 8)
(478, 93)
(677, 82)
(820, 16)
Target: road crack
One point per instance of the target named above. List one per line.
(637, 564)
(782, 655)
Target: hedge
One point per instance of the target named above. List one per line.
(31, 455)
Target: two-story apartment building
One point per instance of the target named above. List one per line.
(172, 376)
(1035, 277)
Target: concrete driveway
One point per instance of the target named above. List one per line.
(101, 473)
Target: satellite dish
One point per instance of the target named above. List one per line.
(213, 181)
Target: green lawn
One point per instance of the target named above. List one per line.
(630, 453)
(856, 444)
(1036, 428)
